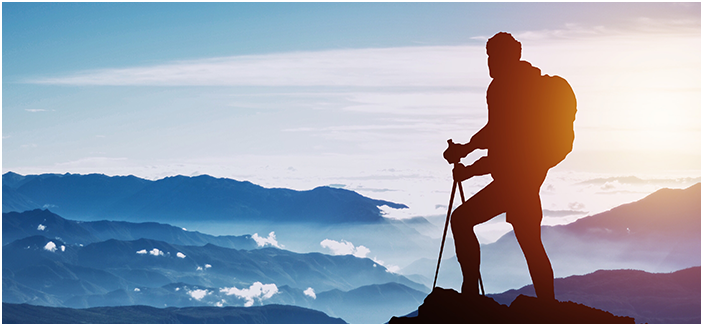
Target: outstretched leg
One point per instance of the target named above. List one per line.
(482, 207)
(526, 221)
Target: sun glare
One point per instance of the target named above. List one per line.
(638, 95)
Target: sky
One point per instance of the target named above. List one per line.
(361, 96)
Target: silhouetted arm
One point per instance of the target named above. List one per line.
(456, 151)
(480, 167)
(479, 140)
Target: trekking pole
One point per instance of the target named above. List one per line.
(443, 238)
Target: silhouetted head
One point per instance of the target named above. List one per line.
(503, 53)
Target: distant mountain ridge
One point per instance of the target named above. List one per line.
(52, 272)
(16, 225)
(270, 314)
(659, 233)
(129, 198)
(668, 298)
(43, 264)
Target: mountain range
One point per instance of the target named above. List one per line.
(659, 233)
(129, 198)
(115, 272)
(271, 314)
(653, 298)
(38, 222)
(140, 258)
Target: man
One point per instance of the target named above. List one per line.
(529, 130)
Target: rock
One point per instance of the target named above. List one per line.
(446, 306)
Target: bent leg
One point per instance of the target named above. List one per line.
(482, 207)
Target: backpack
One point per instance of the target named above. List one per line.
(558, 114)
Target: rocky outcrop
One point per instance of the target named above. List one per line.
(446, 306)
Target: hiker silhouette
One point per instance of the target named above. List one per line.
(529, 130)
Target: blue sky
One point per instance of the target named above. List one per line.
(358, 95)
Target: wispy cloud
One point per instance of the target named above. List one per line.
(36, 110)
(562, 213)
(633, 180)
(409, 66)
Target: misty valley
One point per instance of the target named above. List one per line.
(327, 255)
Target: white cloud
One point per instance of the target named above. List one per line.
(220, 303)
(345, 248)
(257, 290)
(137, 289)
(181, 255)
(207, 266)
(154, 252)
(310, 292)
(63, 248)
(50, 246)
(41, 227)
(352, 67)
(388, 268)
(198, 294)
(270, 240)
(199, 268)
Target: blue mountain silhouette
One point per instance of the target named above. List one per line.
(129, 198)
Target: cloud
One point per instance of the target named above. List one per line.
(431, 66)
(388, 268)
(633, 180)
(41, 227)
(50, 246)
(310, 292)
(270, 240)
(257, 290)
(345, 248)
(562, 213)
(181, 255)
(154, 252)
(207, 266)
(63, 248)
(137, 289)
(198, 294)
